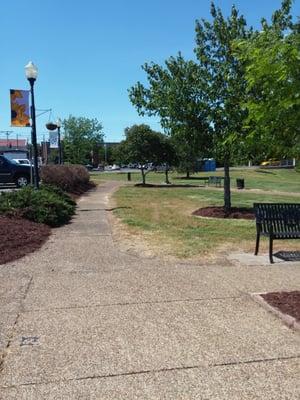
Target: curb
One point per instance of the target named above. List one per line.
(288, 320)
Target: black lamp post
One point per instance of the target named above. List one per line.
(31, 73)
(58, 124)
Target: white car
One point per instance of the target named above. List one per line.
(22, 161)
(115, 167)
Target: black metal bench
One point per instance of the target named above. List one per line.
(215, 180)
(276, 221)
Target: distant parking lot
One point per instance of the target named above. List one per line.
(116, 170)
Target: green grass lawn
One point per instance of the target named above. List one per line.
(285, 180)
(163, 216)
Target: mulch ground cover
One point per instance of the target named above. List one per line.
(19, 237)
(219, 212)
(286, 302)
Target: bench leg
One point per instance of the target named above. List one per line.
(271, 250)
(257, 244)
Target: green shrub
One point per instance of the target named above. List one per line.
(58, 191)
(70, 178)
(47, 205)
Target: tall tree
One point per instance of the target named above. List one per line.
(226, 83)
(271, 58)
(82, 138)
(176, 93)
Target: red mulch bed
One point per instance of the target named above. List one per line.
(19, 237)
(219, 212)
(286, 302)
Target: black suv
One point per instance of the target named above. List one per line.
(12, 172)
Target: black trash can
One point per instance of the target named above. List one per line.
(240, 183)
(129, 176)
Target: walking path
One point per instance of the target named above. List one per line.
(80, 319)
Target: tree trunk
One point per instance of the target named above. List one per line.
(227, 193)
(167, 176)
(187, 173)
(143, 176)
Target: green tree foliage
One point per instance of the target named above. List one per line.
(226, 81)
(176, 93)
(199, 103)
(272, 60)
(82, 138)
(107, 153)
(143, 145)
(204, 104)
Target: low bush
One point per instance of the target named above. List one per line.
(70, 178)
(58, 191)
(49, 205)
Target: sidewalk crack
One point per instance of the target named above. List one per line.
(11, 336)
(135, 303)
(153, 371)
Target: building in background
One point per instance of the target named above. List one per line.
(14, 148)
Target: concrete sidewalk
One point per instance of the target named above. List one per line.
(81, 319)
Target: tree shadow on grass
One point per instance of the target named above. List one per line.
(100, 209)
(165, 186)
(263, 171)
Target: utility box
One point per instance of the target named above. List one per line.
(209, 165)
(206, 165)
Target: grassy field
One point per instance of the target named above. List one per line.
(273, 179)
(163, 216)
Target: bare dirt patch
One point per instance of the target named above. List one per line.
(219, 212)
(19, 237)
(286, 302)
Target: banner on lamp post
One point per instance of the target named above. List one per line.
(19, 108)
(53, 139)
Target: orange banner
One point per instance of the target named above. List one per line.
(19, 106)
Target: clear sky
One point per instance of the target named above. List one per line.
(90, 52)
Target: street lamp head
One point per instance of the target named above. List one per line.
(58, 123)
(31, 71)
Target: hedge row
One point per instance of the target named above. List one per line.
(70, 178)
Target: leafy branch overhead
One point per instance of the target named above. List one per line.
(271, 60)
(177, 95)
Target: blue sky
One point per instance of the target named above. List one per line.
(90, 52)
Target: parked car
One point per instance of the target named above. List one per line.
(157, 167)
(13, 172)
(89, 167)
(132, 165)
(22, 161)
(272, 162)
(115, 167)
